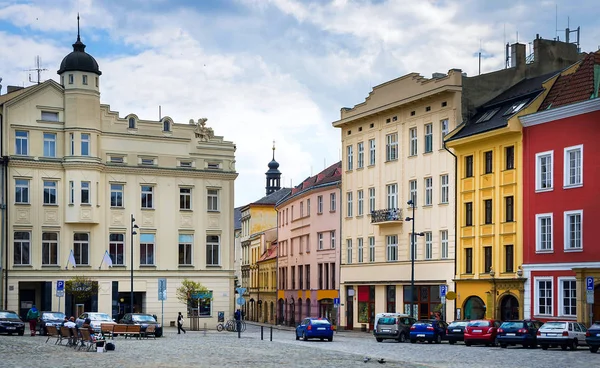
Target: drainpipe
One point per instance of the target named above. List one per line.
(455, 217)
(4, 211)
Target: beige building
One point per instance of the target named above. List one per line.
(393, 152)
(78, 174)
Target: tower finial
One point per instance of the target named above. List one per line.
(273, 149)
(78, 39)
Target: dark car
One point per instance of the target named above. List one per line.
(430, 330)
(314, 328)
(10, 323)
(143, 320)
(519, 333)
(592, 337)
(49, 319)
(456, 331)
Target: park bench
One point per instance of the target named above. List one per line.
(107, 329)
(52, 331)
(119, 330)
(133, 330)
(150, 331)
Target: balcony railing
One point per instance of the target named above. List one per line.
(386, 215)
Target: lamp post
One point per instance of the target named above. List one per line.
(412, 257)
(133, 232)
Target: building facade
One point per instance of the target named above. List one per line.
(80, 177)
(308, 231)
(561, 184)
(267, 279)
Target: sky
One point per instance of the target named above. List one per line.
(272, 70)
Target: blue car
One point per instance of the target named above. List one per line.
(430, 330)
(314, 328)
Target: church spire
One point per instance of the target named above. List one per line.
(78, 38)
(273, 175)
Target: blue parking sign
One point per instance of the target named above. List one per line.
(336, 301)
(589, 283)
(443, 290)
(60, 285)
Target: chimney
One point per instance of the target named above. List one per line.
(517, 55)
(10, 89)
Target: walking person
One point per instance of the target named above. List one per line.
(180, 324)
(238, 319)
(32, 316)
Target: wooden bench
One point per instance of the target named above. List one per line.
(150, 331)
(107, 329)
(119, 330)
(52, 331)
(133, 330)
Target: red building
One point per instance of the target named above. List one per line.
(561, 194)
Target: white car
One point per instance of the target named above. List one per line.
(96, 319)
(566, 334)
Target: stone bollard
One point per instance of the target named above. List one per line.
(261, 332)
(271, 333)
(204, 328)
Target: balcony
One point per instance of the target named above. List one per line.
(386, 216)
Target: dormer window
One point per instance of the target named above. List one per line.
(131, 123)
(84, 79)
(166, 125)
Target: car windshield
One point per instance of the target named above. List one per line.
(479, 324)
(100, 317)
(143, 318)
(320, 322)
(458, 324)
(387, 321)
(512, 325)
(554, 325)
(56, 316)
(8, 315)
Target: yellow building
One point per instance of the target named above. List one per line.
(489, 276)
(267, 278)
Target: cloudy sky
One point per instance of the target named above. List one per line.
(264, 70)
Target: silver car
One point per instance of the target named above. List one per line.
(566, 334)
(96, 319)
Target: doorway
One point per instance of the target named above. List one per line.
(596, 305)
(509, 308)
(349, 308)
(474, 308)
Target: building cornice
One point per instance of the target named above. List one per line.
(561, 112)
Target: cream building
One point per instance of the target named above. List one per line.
(392, 152)
(77, 176)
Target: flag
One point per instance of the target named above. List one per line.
(107, 259)
(71, 260)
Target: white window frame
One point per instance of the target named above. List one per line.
(332, 204)
(22, 243)
(361, 155)
(567, 232)
(391, 147)
(50, 246)
(212, 200)
(185, 198)
(391, 242)
(371, 249)
(349, 204)
(538, 173)
(49, 144)
(413, 142)
(428, 245)
(148, 245)
(445, 188)
(86, 142)
(320, 240)
(360, 250)
(82, 244)
(86, 186)
(444, 244)
(349, 157)
(332, 239)
(443, 131)
(348, 251)
(428, 191)
(185, 243)
(561, 296)
(372, 152)
(118, 241)
(71, 192)
(371, 199)
(428, 138)
(21, 141)
(149, 194)
(412, 195)
(392, 195)
(538, 237)
(72, 144)
(567, 167)
(19, 187)
(117, 189)
(360, 198)
(320, 204)
(50, 186)
(537, 296)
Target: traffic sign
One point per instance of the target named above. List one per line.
(241, 290)
(589, 283)
(336, 301)
(240, 300)
(60, 293)
(162, 289)
(443, 290)
(60, 285)
(590, 296)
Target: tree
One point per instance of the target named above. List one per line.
(187, 289)
(81, 287)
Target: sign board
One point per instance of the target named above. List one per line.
(443, 299)
(241, 290)
(336, 301)
(443, 290)
(458, 314)
(60, 293)
(451, 295)
(162, 289)
(590, 296)
(60, 285)
(207, 295)
(589, 283)
(240, 300)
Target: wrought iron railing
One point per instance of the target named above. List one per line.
(389, 214)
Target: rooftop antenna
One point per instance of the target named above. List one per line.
(38, 68)
(78, 38)
(480, 56)
(273, 150)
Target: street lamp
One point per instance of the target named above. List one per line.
(412, 257)
(133, 232)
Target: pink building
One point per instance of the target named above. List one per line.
(308, 233)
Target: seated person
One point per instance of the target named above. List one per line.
(71, 323)
(65, 321)
(87, 324)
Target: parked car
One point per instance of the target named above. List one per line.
(96, 319)
(519, 333)
(10, 323)
(142, 319)
(392, 326)
(49, 319)
(592, 337)
(482, 331)
(565, 334)
(456, 331)
(430, 330)
(314, 328)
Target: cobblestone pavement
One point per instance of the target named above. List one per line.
(224, 349)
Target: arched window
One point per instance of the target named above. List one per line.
(131, 123)
(166, 125)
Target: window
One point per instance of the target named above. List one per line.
(70, 78)
(320, 275)
(392, 247)
(444, 243)
(568, 297)
(428, 245)
(543, 236)
(300, 278)
(543, 170)
(445, 189)
(97, 83)
(213, 200)
(308, 207)
(392, 196)
(487, 115)
(516, 107)
(544, 297)
(72, 140)
(360, 199)
(468, 260)
(443, 130)
(360, 250)
(293, 272)
(147, 196)
(371, 249)
(85, 192)
(349, 204)
(509, 258)
(509, 206)
(332, 237)
(320, 204)
(487, 262)
(50, 249)
(49, 145)
(22, 248)
(116, 249)
(348, 251)
(84, 79)
(131, 123)
(147, 161)
(333, 285)
(147, 249)
(349, 157)
(488, 211)
(185, 198)
(468, 166)
(371, 152)
(85, 144)
(361, 155)
(301, 209)
(371, 199)
(307, 268)
(116, 195)
(81, 248)
(49, 192)
(469, 214)
(188, 164)
(413, 191)
(21, 191)
(573, 171)
(332, 202)
(166, 125)
(185, 249)
(21, 143)
(509, 155)
(489, 162)
(428, 138)
(428, 191)
(391, 147)
(573, 236)
(71, 192)
(320, 240)
(413, 141)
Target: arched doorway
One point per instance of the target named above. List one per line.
(509, 308)
(299, 310)
(272, 312)
(281, 314)
(474, 308)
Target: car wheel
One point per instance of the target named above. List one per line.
(402, 338)
(296, 334)
(438, 340)
(564, 347)
(379, 339)
(451, 342)
(413, 341)
(594, 349)
(304, 336)
(330, 339)
(573, 346)
(544, 347)
(503, 346)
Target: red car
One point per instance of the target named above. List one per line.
(483, 331)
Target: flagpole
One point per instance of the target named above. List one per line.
(102, 261)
